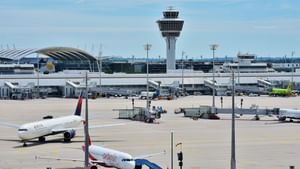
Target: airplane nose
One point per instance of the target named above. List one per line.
(22, 132)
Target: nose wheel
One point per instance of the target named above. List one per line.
(42, 139)
(93, 167)
(24, 144)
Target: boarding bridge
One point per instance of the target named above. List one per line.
(4, 92)
(220, 88)
(139, 114)
(14, 91)
(251, 89)
(249, 111)
(206, 113)
(73, 89)
(154, 84)
(140, 162)
(264, 83)
(165, 91)
(118, 92)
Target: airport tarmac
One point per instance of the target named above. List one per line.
(264, 144)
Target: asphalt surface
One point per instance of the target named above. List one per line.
(264, 144)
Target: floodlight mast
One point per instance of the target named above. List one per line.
(213, 47)
(292, 63)
(100, 69)
(233, 160)
(182, 80)
(147, 47)
(86, 125)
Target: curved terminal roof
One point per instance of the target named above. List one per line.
(57, 53)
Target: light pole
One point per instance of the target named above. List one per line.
(38, 75)
(238, 70)
(233, 161)
(213, 47)
(182, 80)
(100, 70)
(147, 47)
(172, 146)
(293, 52)
(86, 125)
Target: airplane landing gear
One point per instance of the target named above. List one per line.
(67, 140)
(256, 117)
(42, 139)
(24, 144)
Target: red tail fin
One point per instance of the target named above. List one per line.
(89, 140)
(78, 108)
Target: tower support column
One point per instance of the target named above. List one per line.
(171, 48)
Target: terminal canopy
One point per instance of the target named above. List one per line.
(56, 53)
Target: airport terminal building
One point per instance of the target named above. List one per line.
(60, 71)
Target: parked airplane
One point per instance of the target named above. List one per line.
(40, 129)
(282, 92)
(100, 156)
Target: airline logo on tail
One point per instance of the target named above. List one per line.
(79, 104)
(289, 86)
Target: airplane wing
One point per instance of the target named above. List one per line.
(150, 155)
(59, 159)
(68, 159)
(90, 127)
(11, 125)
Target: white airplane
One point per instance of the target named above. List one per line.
(100, 156)
(66, 125)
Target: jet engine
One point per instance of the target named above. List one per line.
(48, 117)
(68, 135)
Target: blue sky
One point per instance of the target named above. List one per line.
(262, 27)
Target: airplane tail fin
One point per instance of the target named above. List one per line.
(79, 104)
(289, 87)
(89, 140)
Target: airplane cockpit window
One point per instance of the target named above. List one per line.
(22, 129)
(127, 159)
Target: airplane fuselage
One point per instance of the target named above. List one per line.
(111, 158)
(46, 127)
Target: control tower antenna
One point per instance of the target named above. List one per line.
(170, 27)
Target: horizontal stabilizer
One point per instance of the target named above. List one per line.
(67, 159)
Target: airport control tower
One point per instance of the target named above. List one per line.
(170, 27)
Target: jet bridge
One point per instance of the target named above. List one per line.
(140, 114)
(140, 162)
(220, 88)
(206, 113)
(154, 84)
(247, 111)
(264, 83)
(15, 91)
